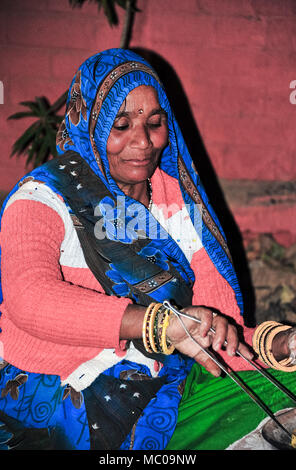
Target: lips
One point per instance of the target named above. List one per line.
(138, 162)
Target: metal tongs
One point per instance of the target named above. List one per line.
(234, 377)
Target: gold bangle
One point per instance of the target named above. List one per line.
(262, 344)
(166, 346)
(145, 330)
(258, 332)
(151, 326)
(164, 312)
(157, 322)
(285, 364)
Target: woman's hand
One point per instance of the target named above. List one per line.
(284, 345)
(224, 331)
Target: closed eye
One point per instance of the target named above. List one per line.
(154, 124)
(121, 123)
(157, 119)
(122, 127)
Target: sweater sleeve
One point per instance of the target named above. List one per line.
(36, 297)
(212, 290)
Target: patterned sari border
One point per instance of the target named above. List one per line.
(193, 192)
(155, 282)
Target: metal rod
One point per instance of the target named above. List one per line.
(238, 381)
(259, 369)
(269, 377)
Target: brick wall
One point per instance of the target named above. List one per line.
(234, 60)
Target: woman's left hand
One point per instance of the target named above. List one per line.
(225, 333)
(284, 345)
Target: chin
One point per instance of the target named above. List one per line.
(139, 175)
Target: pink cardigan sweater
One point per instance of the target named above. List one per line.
(55, 317)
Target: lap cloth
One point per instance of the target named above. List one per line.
(215, 412)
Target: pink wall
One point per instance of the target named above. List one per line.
(235, 60)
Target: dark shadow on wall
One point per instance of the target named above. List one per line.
(184, 116)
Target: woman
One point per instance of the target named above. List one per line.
(91, 247)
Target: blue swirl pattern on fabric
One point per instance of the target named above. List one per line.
(40, 404)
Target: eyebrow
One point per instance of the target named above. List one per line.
(153, 113)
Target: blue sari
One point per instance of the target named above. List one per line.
(37, 403)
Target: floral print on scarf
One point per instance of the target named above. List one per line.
(63, 137)
(77, 104)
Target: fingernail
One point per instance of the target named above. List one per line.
(216, 346)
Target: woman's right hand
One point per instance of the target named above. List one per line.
(224, 332)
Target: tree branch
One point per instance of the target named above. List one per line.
(126, 30)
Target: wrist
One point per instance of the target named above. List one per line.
(132, 321)
(154, 329)
(280, 347)
(270, 341)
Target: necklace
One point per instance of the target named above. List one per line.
(150, 194)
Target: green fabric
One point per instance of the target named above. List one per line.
(215, 412)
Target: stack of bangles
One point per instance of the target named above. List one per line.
(155, 324)
(262, 344)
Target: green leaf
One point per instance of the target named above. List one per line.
(34, 148)
(42, 152)
(124, 3)
(109, 10)
(43, 105)
(22, 142)
(32, 105)
(76, 3)
(39, 140)
(21, 115)
(121, 3)
(61, 101)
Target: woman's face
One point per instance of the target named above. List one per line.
(137, 138)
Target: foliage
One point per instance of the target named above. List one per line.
(38, 142)
(108, 7)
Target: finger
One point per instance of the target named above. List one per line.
(245, 351)
(221, 329)
(232, 340)
(205, 361)
(206, 317)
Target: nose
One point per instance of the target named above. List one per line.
(141, 138)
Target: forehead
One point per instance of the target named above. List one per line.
(144, 97)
